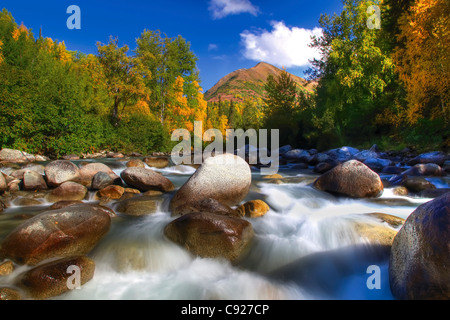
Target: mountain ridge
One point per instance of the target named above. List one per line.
(244, 83)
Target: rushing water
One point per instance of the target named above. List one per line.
(305, 247)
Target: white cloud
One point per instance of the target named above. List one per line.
(222, 8)
(212, 47)
(283, 46)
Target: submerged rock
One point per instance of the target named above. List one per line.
(67, 191)
(53, 279)
(353, 179)
(253, 209)
(419, 261)
(208, 205)
(210, 235)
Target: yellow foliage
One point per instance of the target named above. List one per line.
(1, 54)
(17, 32)
(423, 63)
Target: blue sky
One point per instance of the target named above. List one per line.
(225, 35)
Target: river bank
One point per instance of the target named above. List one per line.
(291, 237)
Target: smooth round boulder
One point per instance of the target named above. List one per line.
(211, 236)
(59, 233)
(139, 206)
(135, 163)
(419, 261)
(33, 181)
(57, 277)
(145, 179)
(112, 192)
(67, 191)
(226, 178)
(352, 179)
(88, 171)
(60, 171)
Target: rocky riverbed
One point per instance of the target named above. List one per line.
(221, 230)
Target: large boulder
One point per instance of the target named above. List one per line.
(67, 191)
(145, 179)
(419, 261)
(352, 179)
(59, 171)
(10, 155)
(88, 171)
(60, 233)
(56, 277)
(32, 180)
(425, 169)
(211, 236)
(157, 162)
(226, 178)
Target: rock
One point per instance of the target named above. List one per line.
(273, 176)
(377, 164)
(433, 193)
(112, 192)
(253, 209)
(284, 149)
(114, 155)
(419, 260)
(6, 268)
(139, 206)
(342, 154)
(392, 170)
(54, 278)
(33, 181)
(3, 184)
(39, 168)
(436, 157)
(64, 203)
(298, 155)
(427, 169)
(353, 179)
(23, 202)
(67, 191)
(318, 158)
(135, 163)
(157, 162)
(393, 221)
(59, 171)
(211, 236)
(101, 180)
(365, 154)
(376, 233)
(65, 232)
(9, 294)
(208, 205)
(71, 157)
(16, 156)
(226, 178)
(88, 171)
(145, 179)
(417, 184)
(323, 167)
(401, 191)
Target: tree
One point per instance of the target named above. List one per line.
(423, 62)
(124, 76)
(354, 74)
(167, 59)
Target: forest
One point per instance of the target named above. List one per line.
(388, 85)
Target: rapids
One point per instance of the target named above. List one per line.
(306, 247)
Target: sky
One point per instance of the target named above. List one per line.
(225, 35)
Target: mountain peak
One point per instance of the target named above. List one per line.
(248, 83)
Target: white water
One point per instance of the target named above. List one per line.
(305, 247)
(136, 261)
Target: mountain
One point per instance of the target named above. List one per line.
(245, 83)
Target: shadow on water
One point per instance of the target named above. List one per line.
(340, 274)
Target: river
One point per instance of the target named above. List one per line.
(305, 248)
